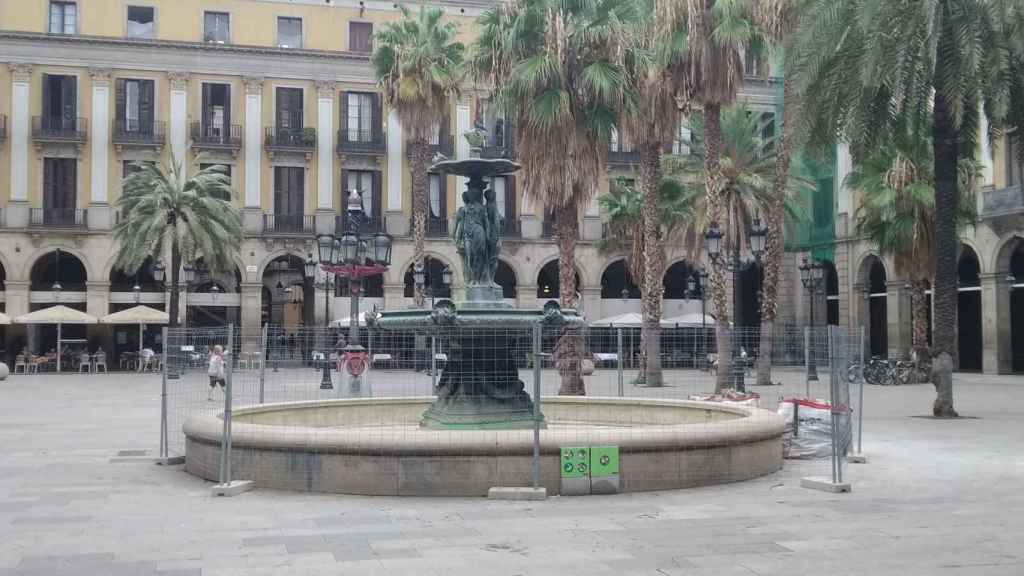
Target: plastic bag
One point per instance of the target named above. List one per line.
(807, 434)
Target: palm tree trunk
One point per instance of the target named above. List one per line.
(716, 278)
(419, 161)
(569, 349)
(652, 285)
(944, 137)
(775, 242)
(172, 308)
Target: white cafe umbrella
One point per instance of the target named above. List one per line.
(692, 320)
(627, 320)
(140, 315)
(58, 315)
(4, 319)
(346, 321)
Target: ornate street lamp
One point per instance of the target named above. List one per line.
(811, 276)
(355, 257)
(756, 237)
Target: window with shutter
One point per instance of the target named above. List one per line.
(289, 109)
(63, 17)
(217, 27)
(362, 181)
(289, 32)
(360, 37)
(216, 112)
(359, 116)
(141, 22)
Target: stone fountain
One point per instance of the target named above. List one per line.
(480, 386)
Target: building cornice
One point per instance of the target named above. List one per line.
(201, 57)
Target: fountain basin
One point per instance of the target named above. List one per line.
(375, 446)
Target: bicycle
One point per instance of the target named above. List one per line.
(887, 372)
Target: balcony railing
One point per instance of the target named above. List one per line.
(216, 137)
(437, 228)
(513, 228)
(547, 229)
(623, 155)
(135, 133)
(445, 145)
(495, 148)
(289, 224)
(59, 129)
(366, 225)
(57, 218)
(3, 127)
(290, 139)
(361, 142)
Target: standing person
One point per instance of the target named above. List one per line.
(216, 370)
(339, 351)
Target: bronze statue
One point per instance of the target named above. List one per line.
(478, 234)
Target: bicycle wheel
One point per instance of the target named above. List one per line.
(874, 373)
(904, 373)
(853, 373)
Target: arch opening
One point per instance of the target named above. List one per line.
(969, 352)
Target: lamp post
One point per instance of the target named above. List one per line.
(812, 273)
(699, 281)
(310, 268)
(188, 274)
(355, 257)
(713, 245)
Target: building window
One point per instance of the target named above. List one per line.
(436, 200)
(362, 182)
(217, 27)
(360, 116)
(134, 105)
(289, 191)
(289, 109)
(360, 37)
(216, 123)
(60, 184)
(63, 17)
(681, 145)
(141, 22)
(289, 32)
(1013, 165)
(752, 64)
(60, 101)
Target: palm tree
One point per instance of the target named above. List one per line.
(897, 212)
(623, 208)
(552, 67)
(419, 67)
(745, 189)
(160, 205)
(874, 66)
(777, 21)
(717, 32)
(653, 55)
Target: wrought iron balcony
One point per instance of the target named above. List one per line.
(135, 133)
(623, 155)
(361, 142)
(1002, 201)
(513, 228)
(290, 139)
(59, 129)
(444, 145)
(289, 224)
(437, 227)
(498, 148)
(65, 218)
(216, 137)
(366, 225)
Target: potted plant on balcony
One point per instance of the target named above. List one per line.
(309, 136)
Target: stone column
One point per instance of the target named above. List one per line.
(251, 305)
(99, 206)
(177, 127)
(396, 222)
(253, 145)
(898, 315)
(530, 224)
(996, 344)
(17, 207)
(592, 220)
(16, 297)
(97, 298)
(463, 124)
(325, 157)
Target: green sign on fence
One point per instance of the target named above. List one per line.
(604, 461)
(575, 462)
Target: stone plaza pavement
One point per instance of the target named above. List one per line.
(79, 494)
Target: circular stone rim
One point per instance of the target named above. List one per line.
(754, 424)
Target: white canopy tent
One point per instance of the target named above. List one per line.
(346, 321)
(58, 315)
(627, 320)
(4, 319)
(692, 320)
(140, 315)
